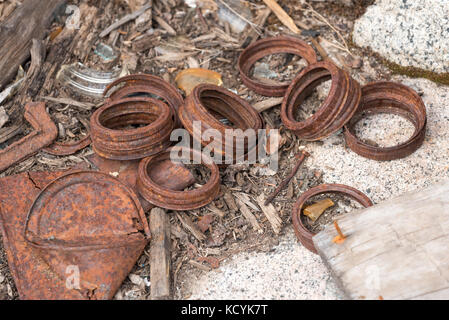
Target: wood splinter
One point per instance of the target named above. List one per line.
(341, 237)
(160, 259)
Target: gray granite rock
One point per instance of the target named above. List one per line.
(407, 32)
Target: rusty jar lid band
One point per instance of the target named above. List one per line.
(391, 98)
(178, 200)
(268, 46)
(112, 139)
(146, 84)
(336, 110)
(302, 233)
(207, 100)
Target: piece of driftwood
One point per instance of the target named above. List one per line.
(70, 42)
(396, 250)
(160, 254)
(28, 21)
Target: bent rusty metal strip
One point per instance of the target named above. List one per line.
(264, 47)
(302, 233)
(164, 197)
(45, 132)
(392, 98)
(67, 149)
(337, 109)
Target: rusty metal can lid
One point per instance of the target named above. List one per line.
(85, 210)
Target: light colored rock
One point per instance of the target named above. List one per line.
(407, 32)
(289, 271)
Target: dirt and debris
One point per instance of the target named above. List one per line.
(178, 37)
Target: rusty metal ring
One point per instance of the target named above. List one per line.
(391, 98)
(268, 46)
(111, 142)
(207, 99)
(178, 200)
(302, 233)
(337, 109)
(149, 84)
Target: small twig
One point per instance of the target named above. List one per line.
(125, 19)
(253, 25)
(320, 49)
(200, 15)
(330, 26)
(286, 181)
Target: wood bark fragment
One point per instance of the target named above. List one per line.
(164, 25)
(271, 214)
(160, 257)
(249, 216)
(28, 21)
(212, 208)
(229, 199)
(129, 17)
(267, 104)
(199, 265)
(192, 227)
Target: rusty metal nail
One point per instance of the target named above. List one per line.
(301, 157)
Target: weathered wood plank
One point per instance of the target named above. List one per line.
(28, 21)
(160, 254)
(396, 250)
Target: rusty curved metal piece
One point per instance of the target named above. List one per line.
(207, 100)
(112, 140)
(302, 233)
(67, 149)
(268, 46)
(41, 273)
(92, 221)
(337, 109)
(149, 84)
(171, 199)
(45, 132)
(392, 98)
